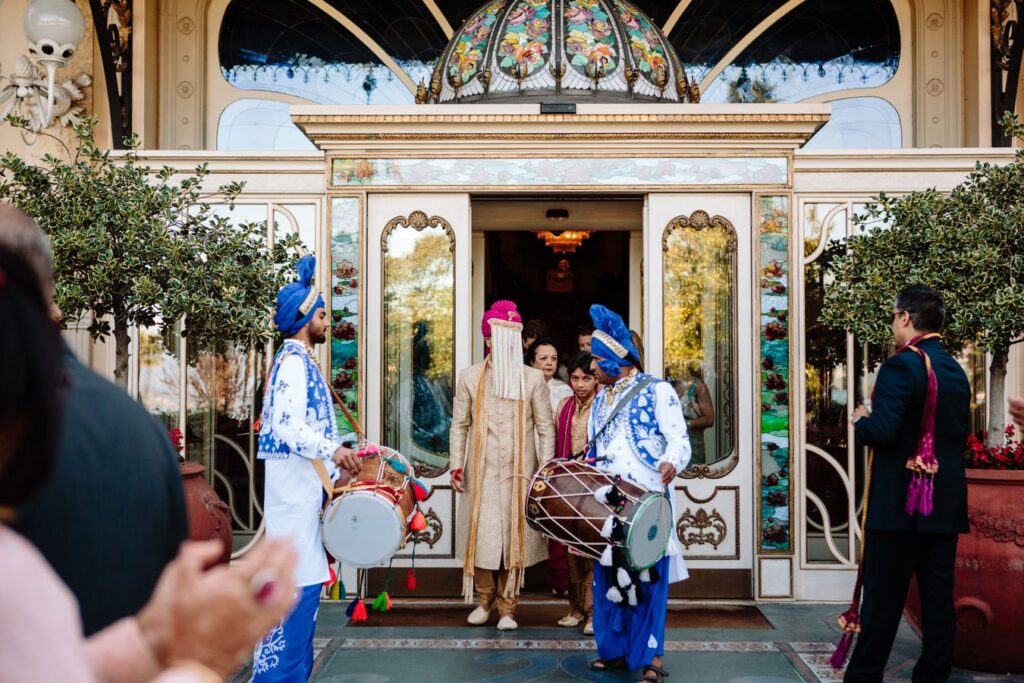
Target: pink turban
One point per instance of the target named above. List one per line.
(500, 310)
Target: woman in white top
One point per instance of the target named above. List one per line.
(543, 355)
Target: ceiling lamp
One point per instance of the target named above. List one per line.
(564, 242)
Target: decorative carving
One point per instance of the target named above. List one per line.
(999, 529)
(700, 220)
(425, 471)
(701, 528)
(186, 26)
(432, 534)
(25, 95)
(421, 93)
(934, 21)
(418, 221)
(185, 89)
(935, 87)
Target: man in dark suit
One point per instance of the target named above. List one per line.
(113, 514)
(899, 545)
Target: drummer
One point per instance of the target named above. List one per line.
(298, 440)
(645, 443)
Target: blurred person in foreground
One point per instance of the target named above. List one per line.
(197, 627)
(112, 515)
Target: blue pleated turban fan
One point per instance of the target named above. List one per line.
(298, 301)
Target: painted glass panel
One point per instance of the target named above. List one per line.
(418, 338)
(526, 46)
(346, 214)
(644, 43)
(699, 295)
(504, 172)
(468, 53)
(589, 38)
(773, 287)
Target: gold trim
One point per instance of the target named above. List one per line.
(713, 135)
(450, 555)
(736, 492)
(719, 117)
(700, 220)
(419, 221)
(310, 299)
(612, 344)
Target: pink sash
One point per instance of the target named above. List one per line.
(563, 441)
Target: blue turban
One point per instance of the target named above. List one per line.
(298, 301)
(611, 341)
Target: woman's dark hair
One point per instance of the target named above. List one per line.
(584, 331)
(924, 304)
(531, 352)
(29, 374)
(581, 361)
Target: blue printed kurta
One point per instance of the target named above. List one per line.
(649, 431)
(298, 426)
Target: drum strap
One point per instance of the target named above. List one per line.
(325, 479)
(626, 399)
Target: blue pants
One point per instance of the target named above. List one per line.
(635, 633)
(285, 654)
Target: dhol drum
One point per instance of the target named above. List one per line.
(561, 505)
(367, 522)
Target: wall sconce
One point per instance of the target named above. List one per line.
(54, 29)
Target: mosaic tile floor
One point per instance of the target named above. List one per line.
(796, 649)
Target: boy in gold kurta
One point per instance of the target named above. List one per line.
(502, 431)
(571, 442)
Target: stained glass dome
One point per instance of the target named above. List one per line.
(567, 50)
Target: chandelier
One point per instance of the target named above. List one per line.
(564, 242)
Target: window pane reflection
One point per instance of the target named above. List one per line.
(419, 307)
(159, 373)
(699, 295)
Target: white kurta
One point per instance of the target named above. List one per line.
(616, 449)
(292, 491)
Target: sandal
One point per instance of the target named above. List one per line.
(607, 665)
(659, 674)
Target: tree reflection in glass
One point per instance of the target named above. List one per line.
(419, 307)
(699, 295)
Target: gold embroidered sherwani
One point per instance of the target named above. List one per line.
(493, 535)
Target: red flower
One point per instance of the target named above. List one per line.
(177, 440)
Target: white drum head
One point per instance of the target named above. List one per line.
(362, 529)
(649, 530)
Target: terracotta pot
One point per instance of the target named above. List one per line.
(989, 576)
(208, 515)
